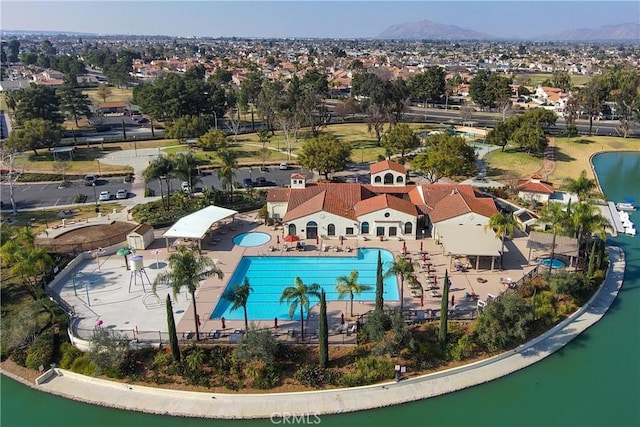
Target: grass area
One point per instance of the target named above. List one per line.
(573, 154)
(117, 94)
(535, 79)
(84, 161)
(499, 163)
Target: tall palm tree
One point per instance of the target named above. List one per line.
(348, 285)
(160, 168)
(405, 269)
(585, 221)
(504, 224)
(298, 295)
(185, 165)
(582, 186)
(238, 295)
(229, 160)
(188, 268)
(553, 215)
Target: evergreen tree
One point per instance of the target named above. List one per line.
(173, 335)
(444, 317)
(379, 285)
(592, 259)
(323, 331)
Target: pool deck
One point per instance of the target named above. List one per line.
(142, 314)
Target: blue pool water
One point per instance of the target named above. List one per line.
(556, 263)
(268, 276)
(251, 239)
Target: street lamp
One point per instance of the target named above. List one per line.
(95, 197)
(215, 119)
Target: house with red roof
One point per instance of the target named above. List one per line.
(535, 189)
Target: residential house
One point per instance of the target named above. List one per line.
(535, 189)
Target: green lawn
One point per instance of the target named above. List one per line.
(499, 163)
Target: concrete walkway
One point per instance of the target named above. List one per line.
(217, 405)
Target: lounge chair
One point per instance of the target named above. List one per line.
(285, 247)
(348, 248)
(215, 334)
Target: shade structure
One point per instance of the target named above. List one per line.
(124, 252)
(291, 238)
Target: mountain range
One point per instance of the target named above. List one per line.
(426, 29)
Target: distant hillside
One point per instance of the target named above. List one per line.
(607, 32)
(431, 30)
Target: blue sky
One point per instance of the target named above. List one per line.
(306, 18)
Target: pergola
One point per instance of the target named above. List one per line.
(567, 246)
(196, 225)
(58, 150)
(468, 240)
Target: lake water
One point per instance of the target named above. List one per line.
(593, 381)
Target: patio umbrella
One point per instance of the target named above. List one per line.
(421, 246)
(275, 323)
(124, 252)
(341, 240)
(424, 256)
(291, 238)
(421, 300)
(278, 240)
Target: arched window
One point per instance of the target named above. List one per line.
(312, 230)
(377, 179)
(408, 228)
(400, 179)
(331, 230)
(388, 178)
(292, 229)
(364, 228)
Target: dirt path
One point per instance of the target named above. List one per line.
(549, 160)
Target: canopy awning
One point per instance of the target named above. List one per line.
(468, 240)
(564, 245)
(197, 224)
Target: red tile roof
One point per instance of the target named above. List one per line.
(543, 187)
(387, 165)
(446, 201)
(385, 201)
(338, 199)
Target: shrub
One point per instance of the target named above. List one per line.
(370, 369)
(79, 198)
(310, 375)
(41, 351)
(19, 355)
(221, 358)
(149, 192)
(268, 376)
(69, 354)
(82, 365)
(257, 345)
(162, 360)
(462, 348)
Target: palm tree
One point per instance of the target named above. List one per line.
(585, 221)
(504, 224)
(226, 173)
(160, 168)
(405, 269)
(188, 269)
(298, 295)
(238, 296)
(554, 215)
(185, 165)
(348, 285)
(582, 186)
(25, 260)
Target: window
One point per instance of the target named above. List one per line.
(387, 214)
(331, 230)
(393, 231)
(388, 178)
(408, 228)
(292, 229)
(349, 231)
(379, 231)
(364, 228)
(377, 179)
(400, 179)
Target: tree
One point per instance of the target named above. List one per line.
(584, 220)
(325, 154)
(554, 215)
(348, 285)
(14, 50)
(226, 171)
(323, 332)
(298, 296)
(195, 359)
(444, 311)
(173, 335)
(160, 168)
(107, 349)
(592, 97)
(487, 90)
(504, 224)
(400, 139)
(504, 322)
(264, 138)
(530, 137)
(213, 140)
(186, 127)
(445, 155)
(38, 102)
(379, 285)
(74, 102)
(103, 91)
(429, 85)
(188, 269)
(405, 270)
(238, 295)
(62, 167)
(500, 134)
(186, 168)
(582, 186)
(34, 134)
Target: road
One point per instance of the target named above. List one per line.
(41, 195)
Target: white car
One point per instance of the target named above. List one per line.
(185, 187)
(104, 195)
(284, 166)
(122, 194)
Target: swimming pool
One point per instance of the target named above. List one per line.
(268, 276)
(251, 239)
(556, 263)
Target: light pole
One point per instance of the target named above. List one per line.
(95, 197)
(215, 119)
(99, 169)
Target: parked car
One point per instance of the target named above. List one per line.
(284, 167)
(90, 179)
(261, 181)
(122, 194)
(247, 183)
(185, 187)
(104, 196)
